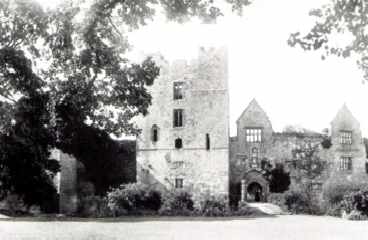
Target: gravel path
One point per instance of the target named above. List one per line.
(269, 228)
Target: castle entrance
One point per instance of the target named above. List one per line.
(254, 192)
(254, 187)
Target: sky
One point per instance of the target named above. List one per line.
(294, 87)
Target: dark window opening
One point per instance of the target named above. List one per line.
(178, 117)
(178, 143)
(154, 133)
(179, 183)
(208, 143)
(178, 90)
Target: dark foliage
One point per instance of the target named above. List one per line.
(177, 203)
(356, 201)
(332, 21)
(235, 191)
(134, 199)
(279, 179)
(25, 165)
(214, 207)
(326, 143)
(106, 162)
(86, 89)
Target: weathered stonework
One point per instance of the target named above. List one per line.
(278, 148)
(345, 121)
(205, 111)
(67, 185)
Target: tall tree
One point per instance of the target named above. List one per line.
(70, 62)
(339, 18)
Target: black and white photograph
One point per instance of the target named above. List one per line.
(183, 119)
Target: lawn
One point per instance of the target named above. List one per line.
(270, 228)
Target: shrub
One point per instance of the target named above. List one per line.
(334, 210)
(297, 201)
(334, 191)
(86, 189)
(356, 201)
(279, 179)
(94, 206)
(344, 196)
(13, 205)
(357, 216)
(234, 194)
(177, 203)
(214, 207)
(133, 199)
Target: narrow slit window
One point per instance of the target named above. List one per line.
(178, 118)
(154, 133)
(208, 143)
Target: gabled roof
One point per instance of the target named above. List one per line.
(343, 113)
(253, 105)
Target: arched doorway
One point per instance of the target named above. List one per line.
(254, 187)
(254, 192)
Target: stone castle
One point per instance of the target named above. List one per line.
(185, 142)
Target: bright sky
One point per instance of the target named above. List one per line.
(292, 86)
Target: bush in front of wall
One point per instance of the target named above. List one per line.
(335, 190)
(213, 206)
(134, 199)
(334, 210)
(356, 202)
(94, 206)
(297, 201)
(177, 203)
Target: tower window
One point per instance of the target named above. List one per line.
(253, 134)
(154, 133)
(179, 183)
(178, 90)
(178, 117)
(208, 143)
(178, 143)
(346, 163)
(346, 137)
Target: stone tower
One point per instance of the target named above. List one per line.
(185, 137)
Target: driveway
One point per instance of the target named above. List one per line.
(268, 228)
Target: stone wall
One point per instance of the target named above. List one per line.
(68, 195)
(205, 106)
(345, 121)
(278, 147)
